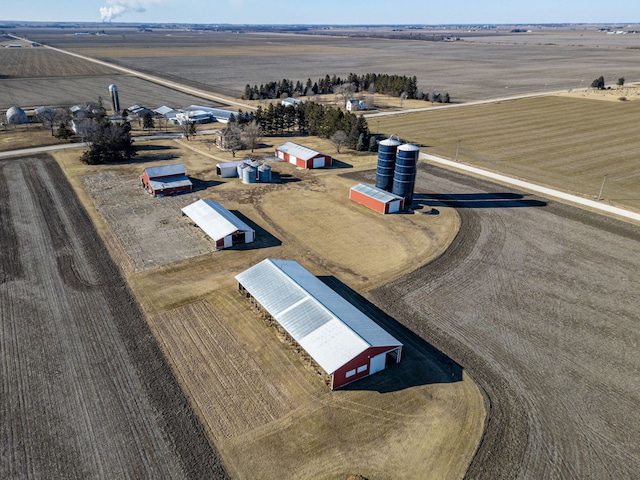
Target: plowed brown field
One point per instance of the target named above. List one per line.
(86, 390)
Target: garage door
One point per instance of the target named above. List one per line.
(377, 363)
(318, 162)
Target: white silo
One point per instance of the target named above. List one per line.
(16, 116)
(115, 101)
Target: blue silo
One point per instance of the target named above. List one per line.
(404, 175)
(386, 163)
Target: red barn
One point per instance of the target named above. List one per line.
(377, 199)
(302, 157)
(166, 179)
(341, 339)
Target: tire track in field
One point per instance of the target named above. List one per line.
(95, 397)
(10, 263)
(60, 239)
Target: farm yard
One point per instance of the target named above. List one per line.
(215, 342)
(568, 143)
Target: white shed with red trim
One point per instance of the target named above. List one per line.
(219, 223)
(302, 157)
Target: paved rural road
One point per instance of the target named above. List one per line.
(539, 303)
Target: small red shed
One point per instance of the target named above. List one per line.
(376, 199)
(166, 179)
(302, 157)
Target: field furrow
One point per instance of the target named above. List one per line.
(78, 402)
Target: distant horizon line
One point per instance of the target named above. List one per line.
(339, 25)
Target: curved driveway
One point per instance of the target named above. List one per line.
(539, 303)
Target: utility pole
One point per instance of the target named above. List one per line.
(457, 149)
(602, 188)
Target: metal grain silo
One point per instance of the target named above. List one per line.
(115, 100)
(386, 163)
(249, 174)
(404, 175)
(264, 173)
(241, 167)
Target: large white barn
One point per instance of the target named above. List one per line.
(341, 339)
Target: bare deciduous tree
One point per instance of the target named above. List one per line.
(339, 139)
(403, 97)
(252, 134)
(48, 116)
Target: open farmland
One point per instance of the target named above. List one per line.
(276, 418)
(86, 390)
(35, 92)
(540, 306)
(469, 70)
(28, 62)
(564, 143)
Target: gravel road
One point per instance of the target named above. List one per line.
(539, 302)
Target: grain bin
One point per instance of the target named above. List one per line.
(404, 175)
(241, 167)
(249, 174)
(386, 163)
(264, 173)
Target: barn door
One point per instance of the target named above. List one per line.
(377, 363)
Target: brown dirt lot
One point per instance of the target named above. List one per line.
(563, 143)
(274, 409)
(87, 392)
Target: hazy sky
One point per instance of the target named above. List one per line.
(325, 11)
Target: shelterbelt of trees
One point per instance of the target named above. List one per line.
(313, 119)
(393, 85)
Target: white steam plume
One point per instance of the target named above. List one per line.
(116, 8)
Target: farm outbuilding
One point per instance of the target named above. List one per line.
(166, 180)
(376, 199)
(340, 339)
(224, 228)
(301, 156)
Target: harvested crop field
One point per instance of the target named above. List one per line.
(38, 62)
(540, 306)
(86, 390)
(564, 143)
(468, 70)
(35, 92)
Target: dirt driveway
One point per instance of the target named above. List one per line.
(539, 303)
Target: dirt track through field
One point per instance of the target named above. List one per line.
(540, 306)
(86, 391)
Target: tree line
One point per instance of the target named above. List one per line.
(310, 118)
(393, 85)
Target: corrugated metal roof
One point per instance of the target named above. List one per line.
(298, 151)
(166, 170)
(216, 112)
(328, 327)
(175, 182)
(215, 220)
(376, 193)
